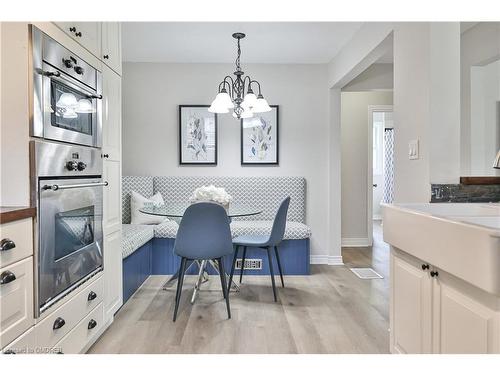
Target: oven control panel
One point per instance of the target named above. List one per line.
(59, 160)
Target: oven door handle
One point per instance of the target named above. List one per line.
(56, 187)
(56, 75)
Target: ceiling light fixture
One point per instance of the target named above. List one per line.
(237, 94)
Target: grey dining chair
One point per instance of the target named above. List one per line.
(266, 243)
(203, 234)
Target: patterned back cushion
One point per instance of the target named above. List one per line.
(263, 192)
(140, 184)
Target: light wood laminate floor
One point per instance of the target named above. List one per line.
(330, 311)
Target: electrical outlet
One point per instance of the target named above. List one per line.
(250, 264)
(413, 153)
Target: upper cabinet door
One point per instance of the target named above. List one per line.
(112, 111)
(111, 46)
(88, 34)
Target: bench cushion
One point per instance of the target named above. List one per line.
(168, 229)
(294, 230)
(134, 236)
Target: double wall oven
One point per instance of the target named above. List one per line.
(66, 169)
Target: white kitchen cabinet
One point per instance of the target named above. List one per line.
(111, 46)
(113, 291)
(87, 34)
(464, 322)
(112, 112)
(16, 300)
(411, 306)
(433, 311)
(111, 149)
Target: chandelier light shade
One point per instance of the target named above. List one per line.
(237, 94)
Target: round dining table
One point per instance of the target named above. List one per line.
(176, 210)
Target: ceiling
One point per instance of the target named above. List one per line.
(211, 42)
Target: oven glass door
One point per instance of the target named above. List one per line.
(71, 110)
(70, 235)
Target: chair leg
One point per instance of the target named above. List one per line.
(225, 291)
(269, 256)
(182, 271)
(279, 265)
(233, 266)
(243, 262)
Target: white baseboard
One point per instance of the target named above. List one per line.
(331, 260)
(355, 242)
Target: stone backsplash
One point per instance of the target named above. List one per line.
(464, 193)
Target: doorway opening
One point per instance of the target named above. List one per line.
(381, 162)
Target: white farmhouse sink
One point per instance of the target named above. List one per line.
(460, 238)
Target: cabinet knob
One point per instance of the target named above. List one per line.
(72, 29)
(58, 323)
(78, 34)
(434, 273)
(7, 244)
(106, 56)
(92, 324)
(105, 156)
(7, 277)
(92, 296)
(425, 267)
(79, 70)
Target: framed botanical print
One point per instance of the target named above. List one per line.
(259, 138)
(197, 135)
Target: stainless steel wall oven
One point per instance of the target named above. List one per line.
(69, 189)
(67, 93)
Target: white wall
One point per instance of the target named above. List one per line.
(14, 120)
(376, 77)
(152, 92)
(426, 107)
(355, 127)
(479, 45)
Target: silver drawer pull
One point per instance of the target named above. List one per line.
(7, 244)
(56, 187)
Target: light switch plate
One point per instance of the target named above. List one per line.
(413, 149)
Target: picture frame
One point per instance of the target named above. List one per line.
(260, 138)
(197, 135)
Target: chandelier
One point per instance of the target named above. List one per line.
(237, 94)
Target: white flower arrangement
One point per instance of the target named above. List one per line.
(211, 193)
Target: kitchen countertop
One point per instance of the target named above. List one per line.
(13, 213)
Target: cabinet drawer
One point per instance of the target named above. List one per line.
(16, 300)
(25, 344)
(83, 333)
(21, 234)
(58, 323)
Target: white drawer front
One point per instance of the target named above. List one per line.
(67, 316)
(25, 344)
(16, 300)
(21, 233)
(78, 337)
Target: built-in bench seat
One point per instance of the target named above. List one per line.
(148, 249)
(134, 236)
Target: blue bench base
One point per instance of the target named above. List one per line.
(294, 256)
(157, 257)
